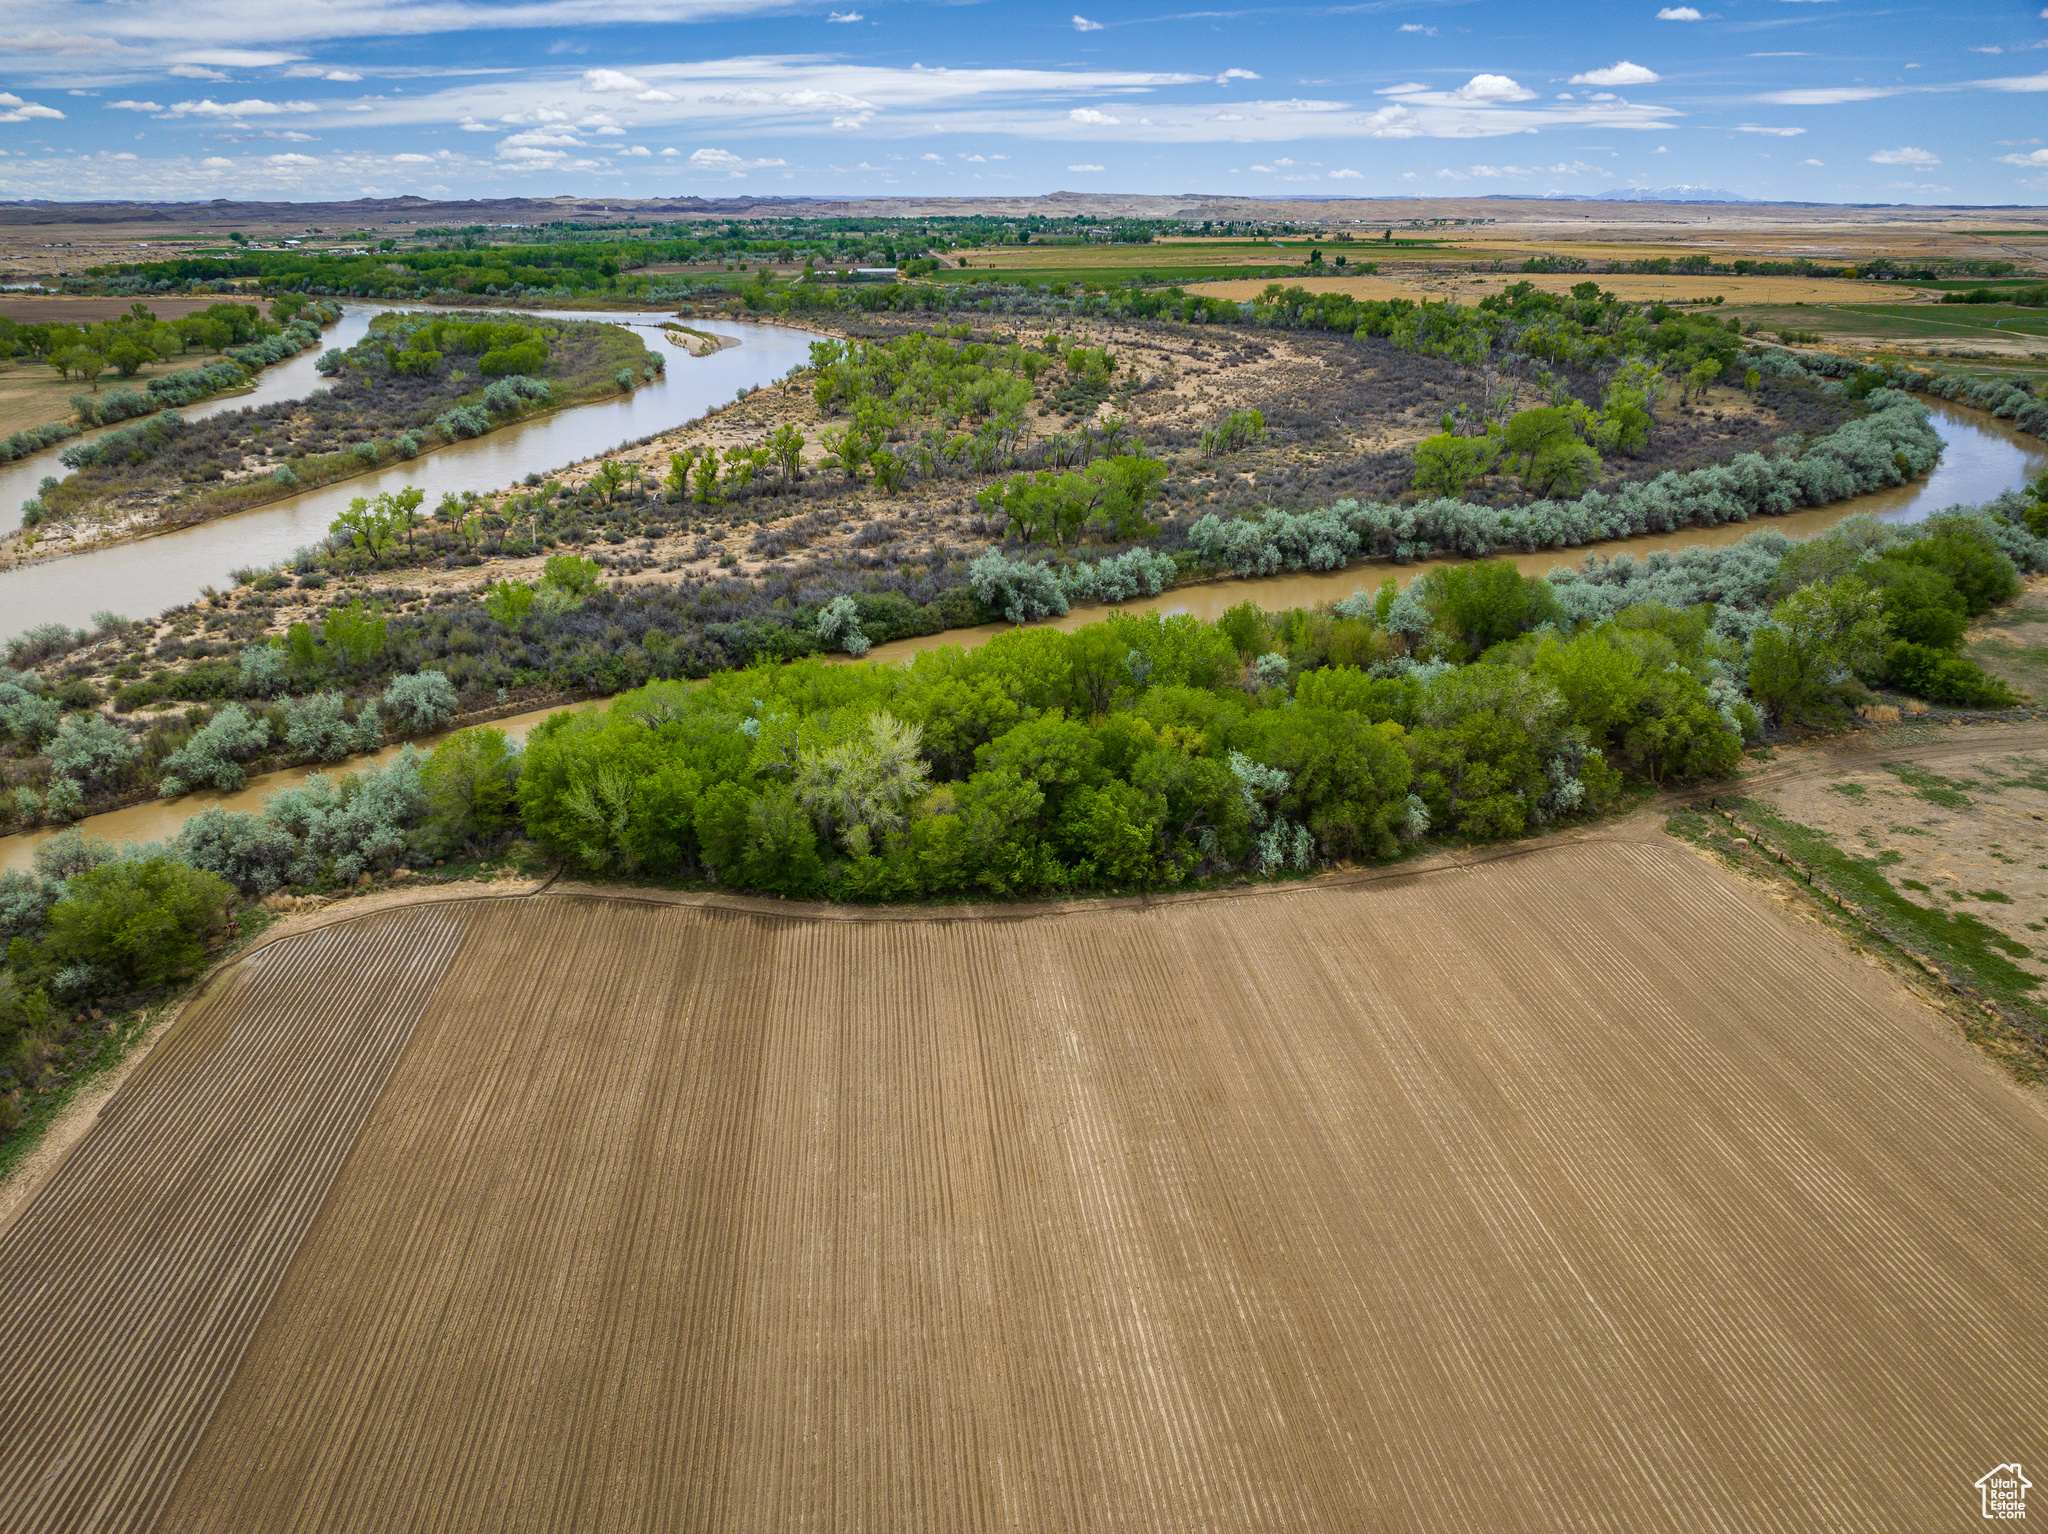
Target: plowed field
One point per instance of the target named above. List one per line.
(1579, 1190)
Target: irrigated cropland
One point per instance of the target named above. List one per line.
(1583, 1187)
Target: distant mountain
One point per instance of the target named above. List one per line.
(1671, 194)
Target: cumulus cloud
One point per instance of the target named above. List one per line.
(134, 106)
(1083, 24)
(2038, 158)
(671, 153)
(215, 162)
(933, 159)
(1346, 175)
(1773, 132)
(1623, 73)
(1905, 156)
(1416, 26)
(975, 159)
(14, 110)
(640, 151)
(306, 159)
(1821, 163)
(1679, 13)
(846, 18)
(1235, 74)
(1092, 117)
(1084, 167)
(196, 72)
(1492, 88)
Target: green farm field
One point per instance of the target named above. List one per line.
(1896, 324)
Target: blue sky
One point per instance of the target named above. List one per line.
(1830, 100)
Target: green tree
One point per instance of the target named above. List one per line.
(143, 921)
(508, 601)
(1445, 464)
(572, 573)
(356, 635)
(786, 449)
(471, 782)
(1803, 663)
(1479, 605)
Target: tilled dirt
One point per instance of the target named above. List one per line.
(1580, 1189)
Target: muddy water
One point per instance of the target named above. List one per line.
(160, 819)
(1984, 458)
(291, 379)
(141, 579)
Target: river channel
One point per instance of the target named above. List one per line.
(142, 579)
(1983, 459)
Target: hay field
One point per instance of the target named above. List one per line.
(1579, 1189)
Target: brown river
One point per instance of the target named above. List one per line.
(142, 579)
(1984, 458)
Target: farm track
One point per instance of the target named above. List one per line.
(1583, 1189)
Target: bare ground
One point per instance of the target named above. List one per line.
(1583, 1187)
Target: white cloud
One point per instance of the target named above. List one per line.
(725, 160)
(306, 159)
(1914, 186)
(2038, 158)
(1906, 156)
(639, 151)
(846, 18)
(234, 58)
(1416, 26)
(1661, 149)
(14, 110)
(1773, 132)
(611, 81)
(1083, 24)
(1679, 13)
(1623, 73)
(1084, 167)
(319, 72)
(252, 107)
(1492, 88)
(197, 72)
(290, 136)
(215, 162)
(1092, 117)
(1821, 163)
(1346, 175)
(134, 106)
(1828, 96)
(539, 138)
(975, 159)
(402, 159)
(671, 152)
(1235, 74)
(933, 159)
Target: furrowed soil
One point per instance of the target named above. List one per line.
(1584, 1188)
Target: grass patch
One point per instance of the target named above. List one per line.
(1993, 897)
(1933, 787)
(1958, 940)
(1852, 791)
